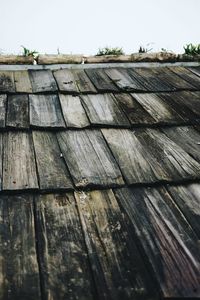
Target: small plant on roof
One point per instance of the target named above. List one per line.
(110, 51)
(191, 49)
(27, 52)
(142, 49)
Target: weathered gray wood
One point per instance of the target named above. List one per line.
(22, 82)
(188, 199)
(89, 160)
(45, 111)
(170, 161)
(130, 155)
(159, 109)
(65, 81)
(83, 83)
(195, 70)
(19, 170)
(17, 111)
(170, 244)
(188, 76)
(18, 265)
(134, 111)
(121, 78)
(73, 111)
(102, 109)
(3, 100)
(101, 81)
(62, 252)
(7, 82)
(117, 266)
(52, 170)
(1, 158)
(42, 81)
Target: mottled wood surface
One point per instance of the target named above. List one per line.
(42, 81)
(3, 100)
(17, 111)
(22, 82)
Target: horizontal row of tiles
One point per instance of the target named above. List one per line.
(120, 110)
(127, 243)
(100, 80)
(98, 158)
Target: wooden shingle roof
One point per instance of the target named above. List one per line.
(100, 183)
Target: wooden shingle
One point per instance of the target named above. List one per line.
(17, 111)
(101, 81)
(42, 81)
(3, 102)
(22, 82)
(7, 82)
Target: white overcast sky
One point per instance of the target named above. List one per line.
(81, 27)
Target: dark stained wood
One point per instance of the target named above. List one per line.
(102, 109)
(19, 170)
(7, 82)
(195, 70)
(1, 158)
(123, 81)
(89, 160)
(159, 109)
(133, 110)
(170, 161)
(17, 111)
(101, 81)
(73, 111)
(188, 76)
(62, 252)
(117, 266)
(170, 244)
(187, 197)
(130, 155)
(42, 81)
(83, 82)
(45, 111)
(22, 82)
(19, 268)
(65, 81)
(52, 171)
(3, 100)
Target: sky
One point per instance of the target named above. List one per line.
(82, 27)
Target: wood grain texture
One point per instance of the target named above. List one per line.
(63, 257)
(103, 110)
(45, 111)
(188, 76)
(73, 111)
(83, 82)
(89, 160)
(42, 81)
(195, 70)
(52, 170)
(170, 244)
(117, 266)
(1, 159)
(22, 82)
(18, 265)
(19, 170)
(101, 81)
(159, 109)
(65, 81)
(123, 81)
(130, 155)
(3, 101)
(17, 111)
(7, 82)
(134, 111)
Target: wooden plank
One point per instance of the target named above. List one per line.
(195, 70)
(22, 82)
(101, 81)
(83, 82)
(17, 111)
(118, 268)
(3, 101)
(65, 81)
(171, 162)
(159, 109)
(62, 252)
(7, 82)
(103, 110)
(45, 111)
(73, 111)
(123, 80)
(1, 159)
(130, 155)
(188, 76)
(187, 197)
(18, 265)
(52, 171)
(19, 170)
(134, 111)
(42, 81)
(170, 244)
(89, 160)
